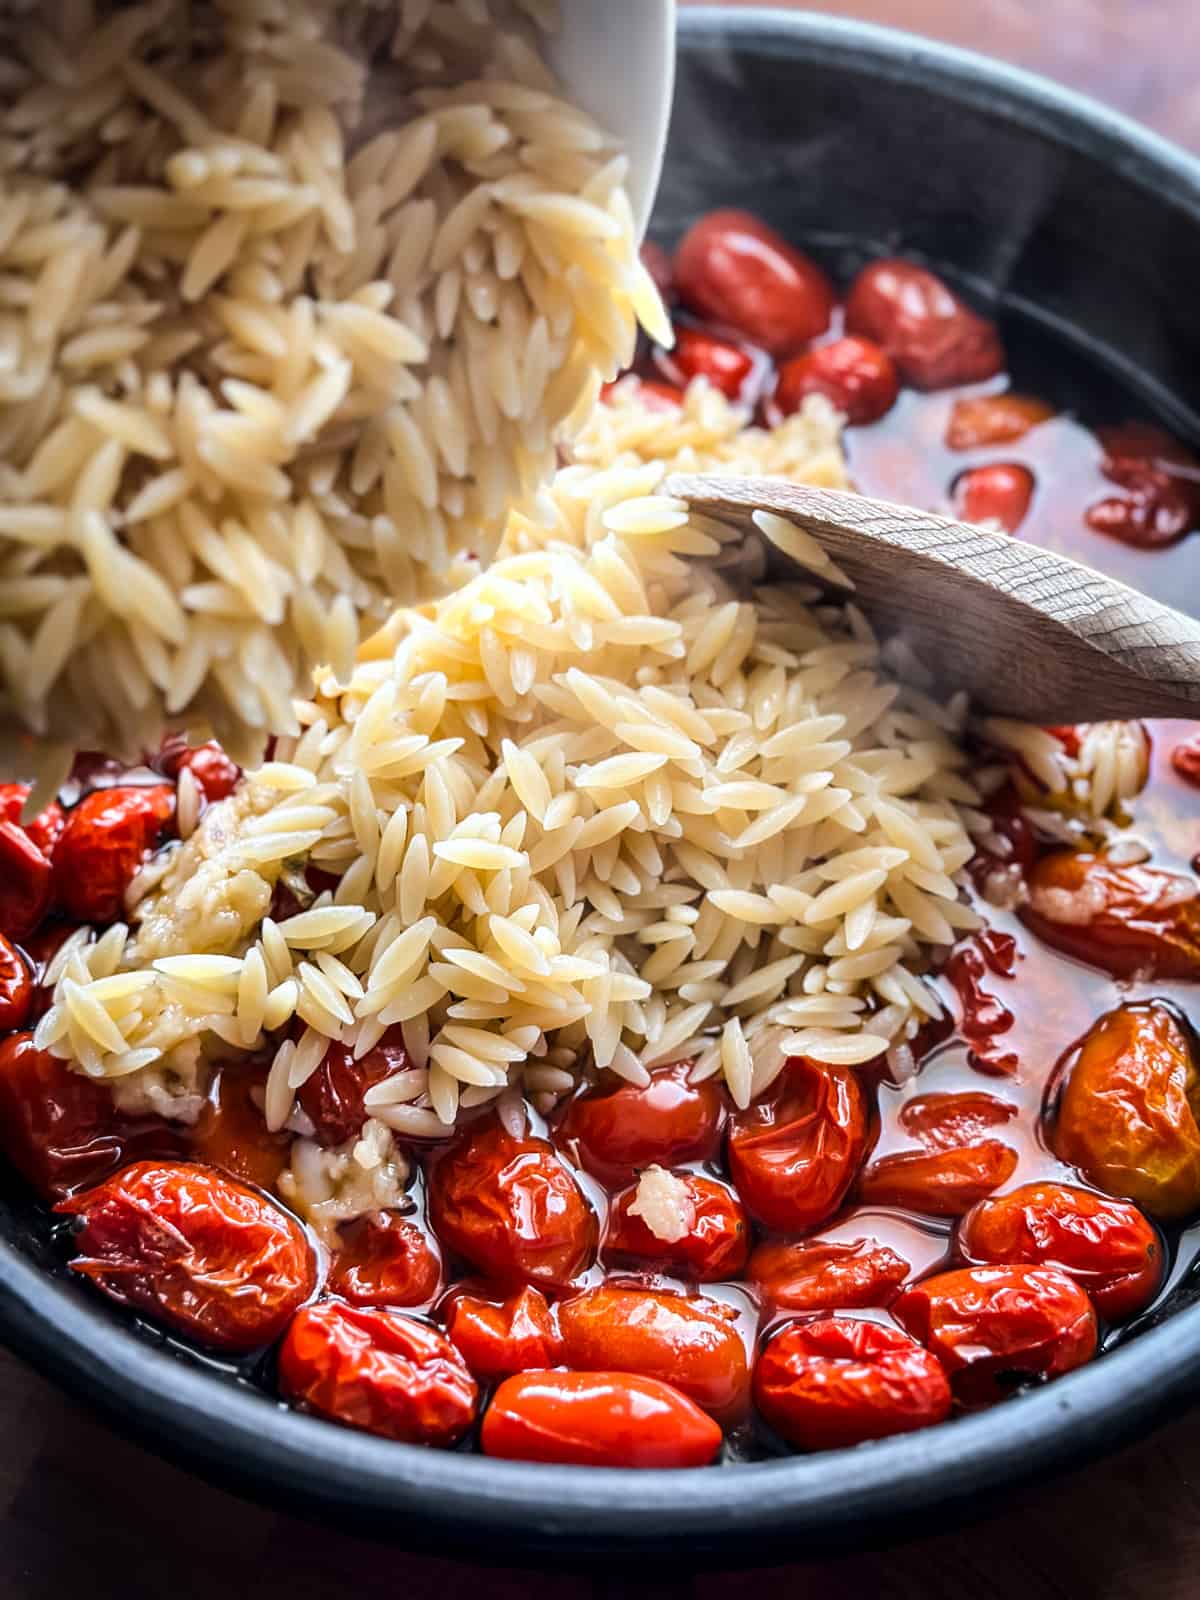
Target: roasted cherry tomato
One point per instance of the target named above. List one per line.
(16, 987)
(685, 1342)
(838, 1381)
(191, 1248)
(978, 421)
(512, 1208)
(332, 1098)
(950, 1121)
(1107, 1246)
(597, 1419)
(943, 1183)
(933, 337)
(855, 375)
(215, 774)
(44, 829)
(794, 1153)
(381, 1259)
(827, 1274)
(107, 837)
(733, 268)
(1132, 921)
(1160, 484)
(698, 354)
(1000, 492)
(378, 1371)
(989, 1326)
(1185, 758)
(715, 1240)
(654, 396)
(497, 1340)
(1128, 1101)
(618, 1128)
(25, 883)
(230, 1132)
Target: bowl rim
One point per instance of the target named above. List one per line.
(240, 1438)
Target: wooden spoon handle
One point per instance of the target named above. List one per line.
(1027, 632)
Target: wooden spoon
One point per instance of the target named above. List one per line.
(1026, 632)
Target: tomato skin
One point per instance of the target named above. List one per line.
(16, 988)
(497, 1341)
(716, 1245)
(1128, 1100)
(827, 1274)
(107, 837)
(374, 1370)
(1108, 1247)
(209, 1257)
(511, 1208)
(944, 1183)
(654, 396)
(1185, 759)
(215, 774)
(382, 1259)
(979, 421)
(44, 829)
(794, 1153)
(935, 339)
(1158, 504)
(836, 1382)
(618, 1128)
(1000, 492)
(230, 1132)
(25, 883)
(659, 1335)
(984, 1323)
(855, 375)
(698, 354)
(332, 1098)
(736, 270)
(597, 1419)
(949, 1121)
(1131, 921)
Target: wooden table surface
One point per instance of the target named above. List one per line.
(83, 1512)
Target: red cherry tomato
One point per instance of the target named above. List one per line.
(836, 1382)
(618, 1128)
(195, 1250)
(512, 1208)
(25, 883)
(945, 1183)
(1132, 921)
(978, 421)
(497, 1340)
(374, 1370)
(698, 354)
(215, 774)
(949, 1121)
(654, 396)
(1160, 484)
(1185, 758)
(383, 1260)
(794, 1153)
(597, 1419)
(107, 837)
(734, 269)
(688, 1343)
(44, 829)
(1000, 492)
(1128, 1103)
(1108, 1247)
(857, 377)
(230, 1132)
(990, 1325)
(16, 987)
(714, 1246)
(332, 1098)
(827, 1274)
(933, 337)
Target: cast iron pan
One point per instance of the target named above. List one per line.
(1083, 232)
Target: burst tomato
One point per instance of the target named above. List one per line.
(935, 340)
(230, 1132)
(25, 883)
(733, 268)
(981, 420)
(383, 1260)
(1000, 492)
(215, 774)
(1185, 758)
(698, 354)
(597, 1419)
(943, 1183)
(620, 1127)
(827, 1274)
(497, 1340)
(1160, 489)
(107, 837)
(715, 1241)
(16, 987)
(332, 1098)
(44, 829)
(1132, 921)
(855, 375)
(949, 1121)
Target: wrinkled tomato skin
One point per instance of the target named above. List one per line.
(734, 269)
(1000, 492)
(512, 1209)
(1127, 1104)
(827, 1274)
(698, 354)
(943, 1183)
(107, 837)
(16, 987)
(230, 1132)
(44, 829)
(986, 1324)
(215, 774)
(838, 1381)
(660, 1335)
(26, 884)
(597, 1419)
(949, 1121)
(332, 1098)
(614, 1131)
(497, 1341)
(381, 1259)
(795, 1151)
(378, 1371)
(981, 421)
(935, 340)
(715, 1246)
(189, 1247)
(857, 377)
(1130, 921)
(1107, 1246)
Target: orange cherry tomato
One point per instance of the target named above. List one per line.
(688, 1343)
(1132, 921)
(230, 1132)
(857, 377)
(382, 1259)
(1128, 1104)
(597, 1419)
(378, 1371)
(944, 1183)
(838, 1381)
(332, 1098)
(999, 492)
(933, 337)
(988, 1326)
(107, 837)
(511, 1208)
(734, 269)
(827, 1274)
(497, 1340)
(699, 354)
(215, 774)
(715, 1245)
(16, 987)
(978, 421)
(794, 1153)
(44, 829)
(25, 883)
(617, 1128)
(1107, 1246)
(191, 1248)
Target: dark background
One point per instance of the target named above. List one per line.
(83, 1512)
